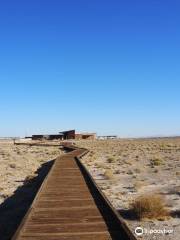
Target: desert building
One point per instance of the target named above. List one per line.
(47, 137)
(89, 136)
(65, 135)
(68, 134)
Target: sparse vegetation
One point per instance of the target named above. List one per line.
(156, 161)
(140, 167)
(124, 169)
(111, 159)
(130, 172)
(117, 171)
(149, 206)
(108, 174)
(18, 164)
(12, 165)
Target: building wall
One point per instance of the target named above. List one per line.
(65, 136)
(86, 136)
(37, 137)
(47, 137)
(69, 134)
(55, 137)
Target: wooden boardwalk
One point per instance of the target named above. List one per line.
(69, 206)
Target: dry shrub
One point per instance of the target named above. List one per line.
(117, 171)
(12, 165)
(156, 161)
(149, 206)
(108, 174)
(130, 172)
(111, 159)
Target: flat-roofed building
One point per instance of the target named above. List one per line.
(107, 137)
(68, 134)
(65, 135)
(88, 136)
(47, 137)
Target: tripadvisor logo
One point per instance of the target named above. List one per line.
(139, 231)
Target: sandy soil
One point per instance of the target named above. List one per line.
(22, 171)
(125, 169)
(20, 162)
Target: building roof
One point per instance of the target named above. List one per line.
(85, 133)
(63, 132)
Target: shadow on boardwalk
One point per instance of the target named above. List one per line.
(14, 208)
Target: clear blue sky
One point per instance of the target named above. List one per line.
(105, 66)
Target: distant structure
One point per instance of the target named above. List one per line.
(68, 134)
(107, 137)
(46, 137)
(89, 136)
(65, 135)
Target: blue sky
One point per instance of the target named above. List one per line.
(112, 67)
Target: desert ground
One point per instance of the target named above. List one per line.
(22, 171)
(123, 169)
(128, 169)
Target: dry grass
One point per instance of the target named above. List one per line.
(150, 206)
(141, 166)
(19, 162)
(111, 159)
(156, 161)
(12, 165)
(108, 174)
